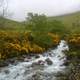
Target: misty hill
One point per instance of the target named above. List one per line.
(71, 21)
(10, 24)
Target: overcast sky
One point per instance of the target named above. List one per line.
(20, 8)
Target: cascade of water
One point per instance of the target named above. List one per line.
(49, 62)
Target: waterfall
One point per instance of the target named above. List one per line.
(42, 68)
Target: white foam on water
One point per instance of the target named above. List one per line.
(57, 56)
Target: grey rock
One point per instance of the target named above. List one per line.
(6, 71)
(3, 64)
(49, 62)
(37, 56)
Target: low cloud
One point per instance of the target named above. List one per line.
(20, 8)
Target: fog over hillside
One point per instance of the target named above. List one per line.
(20, 8)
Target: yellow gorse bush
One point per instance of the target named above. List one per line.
(55, 38)
(74, 40)
(16, 43)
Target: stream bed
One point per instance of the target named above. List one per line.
(44, 67)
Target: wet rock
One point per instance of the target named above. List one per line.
(62, 78)
(16, 62)
(37, 76)
(6, 71)
(28, 57)
(11, 61)
(66, 63)
(50, 54)
(59, 74)
(24, 56)
(26, 60)
(16, 76)
(49, 62)
(3, 63)
(21, 59)
(40, 62)
(34, 64)
(37, 56)
(75, 73)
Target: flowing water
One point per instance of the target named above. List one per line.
(43, 68)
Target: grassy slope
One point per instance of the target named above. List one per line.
(69, 21)
(11, 25)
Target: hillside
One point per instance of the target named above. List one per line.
(8, 24)
(72, 21)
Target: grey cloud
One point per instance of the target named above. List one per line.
(20, 8)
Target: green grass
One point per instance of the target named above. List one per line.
(10, 25)
(71, 21)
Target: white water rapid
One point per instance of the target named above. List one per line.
(42, 68)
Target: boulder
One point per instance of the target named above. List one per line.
(37, 56)
(34, 64)
(49, 62)
(3, 63)
(26, 60)
(66, 63)
(40, 62)
(7, 71)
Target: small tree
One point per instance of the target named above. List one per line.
(58, 27)
(37, 22)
